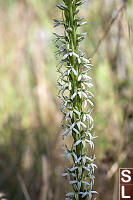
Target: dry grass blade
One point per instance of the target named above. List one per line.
(108, 29)
(23, 187)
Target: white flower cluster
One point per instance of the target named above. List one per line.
(76, 96)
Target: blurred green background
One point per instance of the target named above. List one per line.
(30, 140)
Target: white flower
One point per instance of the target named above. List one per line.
(75, 84)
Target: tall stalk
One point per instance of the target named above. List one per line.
(75, 94)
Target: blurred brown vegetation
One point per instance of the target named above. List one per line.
(30, 140)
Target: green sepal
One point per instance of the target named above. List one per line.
(58, 22)
(62, 7)
(80, 2)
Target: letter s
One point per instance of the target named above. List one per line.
(125, 174)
